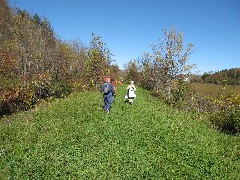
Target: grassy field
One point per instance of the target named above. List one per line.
(73, 138)
(213, 90)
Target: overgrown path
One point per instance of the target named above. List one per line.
(73, 138)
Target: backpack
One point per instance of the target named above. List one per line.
(131, 93)
(106, 89)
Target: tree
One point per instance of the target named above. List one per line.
(5, 16)
(167, 64)
(131, 71)
(115, 71)
(98, 62)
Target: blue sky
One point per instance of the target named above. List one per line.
(129, 26)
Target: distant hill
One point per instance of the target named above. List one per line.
(226, 76)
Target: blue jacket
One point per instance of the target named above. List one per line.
(111, 88)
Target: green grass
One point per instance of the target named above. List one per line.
(73, 138)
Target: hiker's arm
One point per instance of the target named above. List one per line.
(101, 89)
(113, 90)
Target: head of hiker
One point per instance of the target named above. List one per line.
(132, 82)
(107, 80)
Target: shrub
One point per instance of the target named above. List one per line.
(224, 110)
(15, 99)
(60, 90)
(227, 118)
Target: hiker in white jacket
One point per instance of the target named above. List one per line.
(131, 94)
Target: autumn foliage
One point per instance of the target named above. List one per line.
(166, 72)
(35, 64)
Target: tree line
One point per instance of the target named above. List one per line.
(226, 76)
(166, 72)
(36, 64)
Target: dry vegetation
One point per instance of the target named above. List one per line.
(213, 90)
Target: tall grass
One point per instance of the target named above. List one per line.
(73, 138)
(214, 90)
(223, 105)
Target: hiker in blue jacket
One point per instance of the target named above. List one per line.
(108, 90)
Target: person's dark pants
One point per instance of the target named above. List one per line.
(107, 101)
(112, 99)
